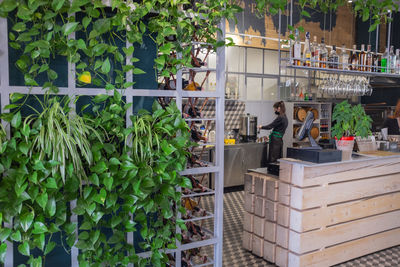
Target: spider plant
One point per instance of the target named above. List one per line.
(62, 136)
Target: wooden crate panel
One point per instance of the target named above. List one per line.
(248, 222)
(271, 210)
(272, 189)
(301, 221)
(260, 186)
(305, 198)
(319, 175)
(258, 228)
(259, 206)
(258, 246)
(282, 236)
(304, 242)
(285, 172)
(248, 183)
(281, 256)
(269, 251)
(284, 193)
(283, 215)
(247, 240)
(346, 251)
(249, 202)
(270, 231)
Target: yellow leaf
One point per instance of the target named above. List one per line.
(85, 77)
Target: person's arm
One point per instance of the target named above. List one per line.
(273, 124)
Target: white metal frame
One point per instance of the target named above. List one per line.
(129, 93)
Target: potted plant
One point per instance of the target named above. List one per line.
(350, 121)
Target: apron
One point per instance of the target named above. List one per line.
(275, 146)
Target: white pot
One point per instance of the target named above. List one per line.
(346, 146)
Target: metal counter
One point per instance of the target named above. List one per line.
(239, 158)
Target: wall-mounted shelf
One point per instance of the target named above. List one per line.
(346, 72)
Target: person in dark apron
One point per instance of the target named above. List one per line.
(278, 127)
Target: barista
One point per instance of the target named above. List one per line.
(278, 127)
(393, 122)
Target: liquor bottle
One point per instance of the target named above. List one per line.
(353, 60)
(384, 61)
(315, 50)
(397, 61)
(361, 58)
(333, 58)
(392, 60)
(344, 58)
(296, 51)
(307, 51)
(369, 59)
(323, 54)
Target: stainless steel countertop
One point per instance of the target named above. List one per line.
(246, 144)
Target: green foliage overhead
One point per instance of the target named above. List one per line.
(44, 29)
(350, 121)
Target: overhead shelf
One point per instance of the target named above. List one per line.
(348, 72)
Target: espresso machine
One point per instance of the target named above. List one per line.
(248, 128)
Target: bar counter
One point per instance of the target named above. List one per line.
(333, 212)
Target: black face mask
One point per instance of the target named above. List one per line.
(277, 113)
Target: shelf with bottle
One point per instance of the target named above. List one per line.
(316, 57)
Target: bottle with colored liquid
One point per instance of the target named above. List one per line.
(307, 51)
(384, 61)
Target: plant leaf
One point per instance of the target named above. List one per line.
(26, 220)
(105, 67)
(69, 28)
(39, 228)
(24, 248)
(16, 120)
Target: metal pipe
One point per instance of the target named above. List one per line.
(219, 151)
(279, 56)
(377, 39)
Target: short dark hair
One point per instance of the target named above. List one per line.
(281, 105)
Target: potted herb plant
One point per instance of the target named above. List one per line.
(350, 122)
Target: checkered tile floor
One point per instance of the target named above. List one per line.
(235, 256)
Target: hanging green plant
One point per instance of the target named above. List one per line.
(132, 184)
(41, 166)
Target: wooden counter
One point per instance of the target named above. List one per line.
(333, 212)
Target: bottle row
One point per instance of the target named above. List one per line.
(317, 55)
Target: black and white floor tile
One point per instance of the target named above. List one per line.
(236, 256)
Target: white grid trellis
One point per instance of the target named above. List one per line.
(178, 94)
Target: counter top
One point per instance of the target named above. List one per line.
(325, 209)
(357, 157)
(246, 144)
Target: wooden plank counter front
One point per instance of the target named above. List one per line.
(331, 213)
